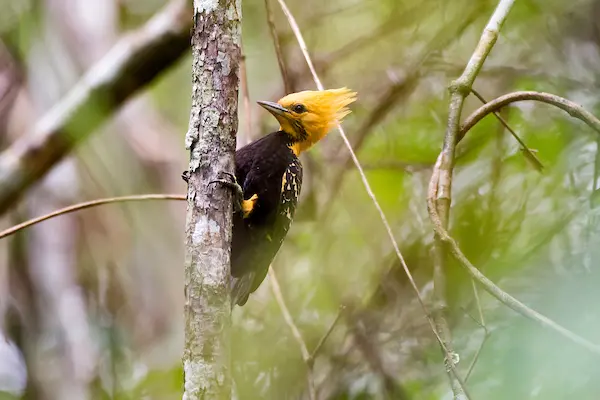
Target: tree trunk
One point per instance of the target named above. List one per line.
(216, 40)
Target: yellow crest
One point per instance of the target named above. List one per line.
(309, 115)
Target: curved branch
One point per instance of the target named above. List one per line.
(89, 204)
(575, 110)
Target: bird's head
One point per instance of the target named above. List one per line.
(308, 116)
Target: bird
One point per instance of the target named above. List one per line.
(269, 174)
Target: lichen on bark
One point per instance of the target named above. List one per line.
(216, 39)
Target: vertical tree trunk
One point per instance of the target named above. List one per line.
(216, 40)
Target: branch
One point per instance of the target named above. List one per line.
(526, 151)
(367, 186)
(573, 109)
(459, 90)
(277, 45)
(399, 93)
(133, 62)
(312, 394)
(216, 53)
(88, 204)
(488, 285)
(308, 358)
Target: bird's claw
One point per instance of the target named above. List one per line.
(185, 175)
(231, 182)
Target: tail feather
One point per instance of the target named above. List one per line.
(241, 288)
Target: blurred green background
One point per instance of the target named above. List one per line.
(91, 304)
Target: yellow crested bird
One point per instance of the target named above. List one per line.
(270, 175)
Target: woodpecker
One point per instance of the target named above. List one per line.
(269, 173)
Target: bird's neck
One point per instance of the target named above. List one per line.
(299, 146)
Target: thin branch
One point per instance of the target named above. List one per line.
(277, 44)
(367, 186)
(573, 109)
(295, 331)
(459, 90)
(89, 204)
(398, 93)
(526, 151)
(393, 390)
(133, 62)
(324, 338)
(486, 335)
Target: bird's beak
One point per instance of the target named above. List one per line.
(274, 108)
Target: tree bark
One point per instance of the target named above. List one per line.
(216, 50)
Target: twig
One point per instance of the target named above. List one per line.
(89, 204)
(393, 390)
(295, 331)
(526, 151)
(459, 90)
(481, 323)
(324, 338)
(132, 63)
(486, 335)
(573, 109)
(396, 93)
(367, 186)
(276, 43)
(488, 285)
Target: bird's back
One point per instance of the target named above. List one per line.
(269, 169)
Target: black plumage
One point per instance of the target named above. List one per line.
(270, 175)
(269, 169)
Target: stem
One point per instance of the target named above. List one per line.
(89, 204)
(459, 90)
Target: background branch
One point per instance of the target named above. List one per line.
(488, 285)
(371, 194)
(573, 109)
(459, 90)
(132, 63)
(306, 356)
(89, 204)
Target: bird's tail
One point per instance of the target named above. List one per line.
(240, 289)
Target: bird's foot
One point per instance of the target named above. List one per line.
(185, 175)
(228, 180)
(248, 205)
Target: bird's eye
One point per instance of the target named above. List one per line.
(299, 108)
